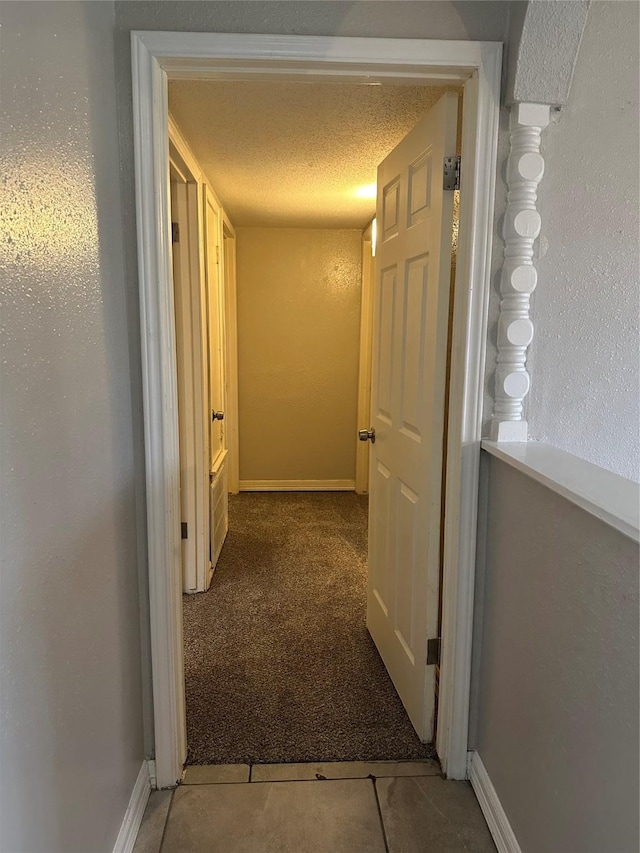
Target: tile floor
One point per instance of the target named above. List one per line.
(338, 807)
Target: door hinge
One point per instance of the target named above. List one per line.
(218, 255)
(451, 173)
(433, 651)
(175, 232)
(184, 530)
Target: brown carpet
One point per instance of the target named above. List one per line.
(279, 665)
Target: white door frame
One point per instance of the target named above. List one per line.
(192, 239)
(477, 65)
(364, 361)
(232, 415)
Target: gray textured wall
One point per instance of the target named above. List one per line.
(71, 736)
(546, 38)
(72, 460)
(73, 513)
(555, 695)
(584, 358)
(479, 20)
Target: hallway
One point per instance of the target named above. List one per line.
(279, 666)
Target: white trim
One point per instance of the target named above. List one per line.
(610, 497)
(135, 811)
(364, 362)
(466, 391)
(181, 152)
(238, 56)
(224, 56)
(229, 266)
(160, 398)
(297, 485)
(152, 774)
(495, 816)
(189, 164)
(188, 413)
(192, 410)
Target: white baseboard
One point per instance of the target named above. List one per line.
(135, 810)
(297, 485)
(497, 820)
(151, 764)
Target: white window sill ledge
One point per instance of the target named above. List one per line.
(610, 497)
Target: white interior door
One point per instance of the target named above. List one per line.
(219, 513)
(411, 299)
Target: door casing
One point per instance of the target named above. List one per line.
(197, 473)
(159, 56)
(192, 238)
(231, 326)
(364, 360)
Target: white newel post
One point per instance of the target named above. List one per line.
(519, 276)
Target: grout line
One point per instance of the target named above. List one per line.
(166, 822)
(384, 833)
(331, 778)
(205, 784)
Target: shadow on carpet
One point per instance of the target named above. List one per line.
(279, 665)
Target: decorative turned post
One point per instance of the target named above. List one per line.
(522, 222)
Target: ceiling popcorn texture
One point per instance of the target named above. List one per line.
(290, 154)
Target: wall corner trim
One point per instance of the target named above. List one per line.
(135, 811)
(521, 229)
(496, 817)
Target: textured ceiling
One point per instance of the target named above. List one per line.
(295, 154)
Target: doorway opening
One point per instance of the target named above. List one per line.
(476, 67)
(293, 649)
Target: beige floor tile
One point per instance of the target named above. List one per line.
(153, 821)
(432, 815)
(338, 816)
(342, 770)
(213, 774)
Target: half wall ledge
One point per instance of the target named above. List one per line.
(604, 494)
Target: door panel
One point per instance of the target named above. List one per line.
(413, 263)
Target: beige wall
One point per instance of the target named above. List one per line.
(298, 339)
